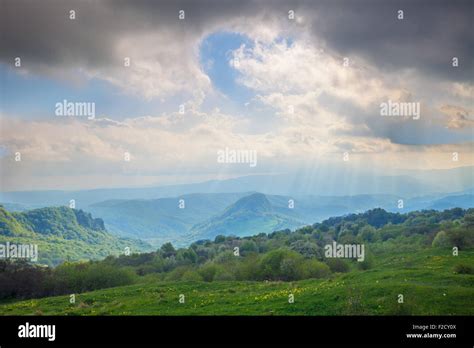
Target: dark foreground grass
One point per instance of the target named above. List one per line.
(425, 278)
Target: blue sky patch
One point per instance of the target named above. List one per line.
(215, 54)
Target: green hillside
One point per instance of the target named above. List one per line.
(427, 257)
(63, 234)
(426, 278)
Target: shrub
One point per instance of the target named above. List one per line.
(18, 279)
(225, 257)
(441, 240)
(367, 263)
(208, 271)
(368, 233)
(337, 265)
(83, 277)
(462, 238)
(315, 269)
(291, 268)
(280, 264)
(177, 273)
(191, 275)
(249, 268)
(222, 275)
(463, 269)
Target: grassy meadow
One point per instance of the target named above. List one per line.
(425, 278)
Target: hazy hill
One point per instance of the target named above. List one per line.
(161, 220)
(249, 215)
(463, 201)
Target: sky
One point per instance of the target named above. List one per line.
(300, 83)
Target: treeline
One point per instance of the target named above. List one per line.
(278, 256)
(285, 255)
(280, 264)
(19, 279)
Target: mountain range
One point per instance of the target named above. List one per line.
(187, 218)
(324, 182)
(140, 224)
(255, 204)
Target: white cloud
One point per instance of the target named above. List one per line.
(458, 117)
(463, 90)
(303, 68)
(322, 109)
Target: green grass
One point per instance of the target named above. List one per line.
(426, 279)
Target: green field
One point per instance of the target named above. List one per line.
(426, 278)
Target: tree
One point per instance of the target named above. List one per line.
(306, 248)
(168, 250)
(461, 237)
(248, 247)
(208, 271)
(367, 233)
(219, 239)
(441, 240)
(469, 220)
(186, 256)
(279, 264)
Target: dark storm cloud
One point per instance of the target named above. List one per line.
(41, 32)
(430, 35)
(432, 32)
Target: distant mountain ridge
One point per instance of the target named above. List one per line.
(463, 201)
(339, 181)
